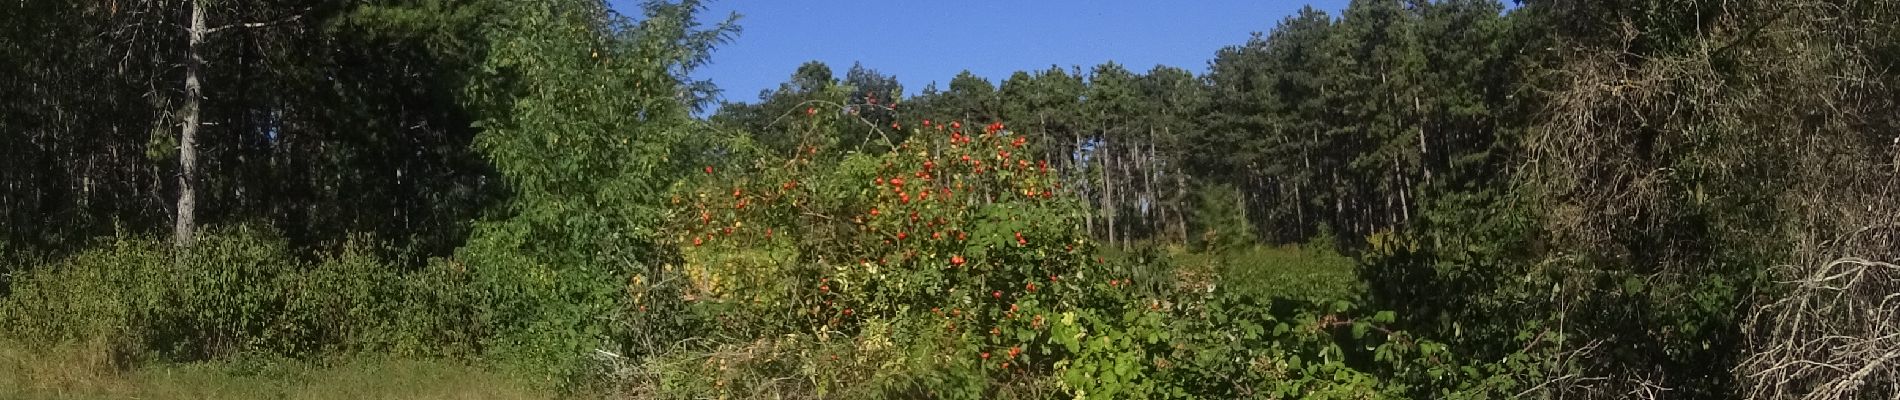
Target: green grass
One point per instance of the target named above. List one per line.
(73, 372)
(1287, 272)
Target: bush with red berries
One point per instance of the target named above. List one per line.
(957, 225)
(953, 263)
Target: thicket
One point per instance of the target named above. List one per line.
(1432, 199)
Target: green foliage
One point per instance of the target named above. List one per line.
(954, 235)
(1220, 220)
(108, 293)
(934, 271)
(239, 291)
(579, 117)
(1416, 199)
(1305, 273)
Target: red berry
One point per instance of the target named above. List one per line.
(997, 294)
(709, 169)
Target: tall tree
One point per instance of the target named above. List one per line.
(584, 117)
(1375, 123)
(1179, 99)
(1112, 103)
(188, 108)
(1266, 124)
(971, 98)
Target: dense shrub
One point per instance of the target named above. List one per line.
(953, 232)
(110, 293)
(238, 291)
(951, 267)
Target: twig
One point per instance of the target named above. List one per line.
(251, 25)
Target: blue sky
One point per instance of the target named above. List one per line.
(921, 42)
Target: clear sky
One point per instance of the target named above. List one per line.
(930, 41)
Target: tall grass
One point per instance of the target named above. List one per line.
(76, 372)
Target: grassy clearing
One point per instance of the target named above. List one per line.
(1290, 272)
(73, 372)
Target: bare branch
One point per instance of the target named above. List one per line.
(253, 25)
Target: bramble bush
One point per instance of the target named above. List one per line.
(954, 266)
(954, 231)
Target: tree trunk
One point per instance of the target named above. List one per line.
(1307, 177)
(1405, 189)
(1150, 201)
(1152, 213)
(1424, 155)
(1108, 189)
(1299, 209)
(182, 235)
(1082, 178)
(1180, 203)
(1128, 196)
